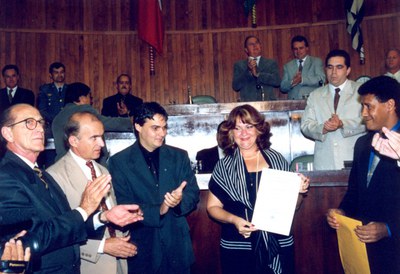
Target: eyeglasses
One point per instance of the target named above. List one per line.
(31, 123)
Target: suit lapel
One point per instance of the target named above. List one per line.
(345, 95)
(51, 198)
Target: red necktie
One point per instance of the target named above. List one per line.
(103, 204)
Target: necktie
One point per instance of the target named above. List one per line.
(40, 174)
(59, 91)
(10, 97)
(103, 204)
(300, 65)
(336, 99)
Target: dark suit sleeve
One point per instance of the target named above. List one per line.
(191, 191)
(52, 229)
(269, 74)
(241, 75)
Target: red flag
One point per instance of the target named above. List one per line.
(150, 23)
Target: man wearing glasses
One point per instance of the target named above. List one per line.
(24, 188)
(255, 77)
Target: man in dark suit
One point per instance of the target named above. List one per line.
(122, 104)
(255, 77)
(208, 158)
(373, 194)
(160, 180)
(33, 193)
(13, 94)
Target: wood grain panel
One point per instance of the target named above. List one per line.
(97, 41)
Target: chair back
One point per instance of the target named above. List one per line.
(203, 99)
(302, 163)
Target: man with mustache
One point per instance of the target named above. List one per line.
(122, 104)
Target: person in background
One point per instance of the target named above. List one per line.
(332, 117)
(122, 104)
(373, 193)
(233, 191)
(304, 73)
(13, 94)
(207, 158)
(255, 77)
(51, 96)
(393, 64)
(38, 201)
(84, 132)
(160, 180)
(78, 98)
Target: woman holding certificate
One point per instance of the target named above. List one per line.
(233, 191)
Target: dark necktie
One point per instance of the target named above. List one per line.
(10, 97)
(40, 174)
(336, 99)
(103, 204)
(300, 65)
(59, 91)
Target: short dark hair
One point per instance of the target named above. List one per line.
(147, 111)
(247, 39)
(6, 118)
(124, 74)
(56, 65)
(74, 91)
(73, 125)
(338, 53)
(10, 66)
(383, 88)
(247, 114)
(299, 38)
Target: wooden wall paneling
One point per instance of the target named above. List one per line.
(217, 62)
(208, 88)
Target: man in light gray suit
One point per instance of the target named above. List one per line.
(84, 132)
(255, 77)
(334, 130)
(304, 73)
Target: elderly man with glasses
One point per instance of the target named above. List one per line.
(39, 202)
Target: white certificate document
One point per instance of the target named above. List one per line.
(276, 201)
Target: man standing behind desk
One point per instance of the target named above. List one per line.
(160, 180)
(122, 104)
(30, 192)
(255, 77)
(51, 95)
(332, 117)
(84, 133)
(304, 73)
(373, 194)
(12, 94)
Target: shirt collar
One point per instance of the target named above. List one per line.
(82, 164)
(332, 87)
